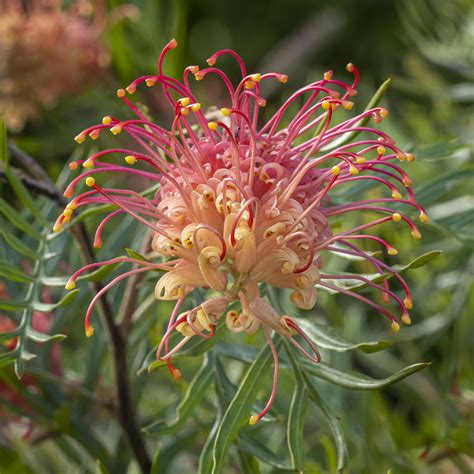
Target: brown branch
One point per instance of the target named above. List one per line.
(130, 295)
(119, 353)
(33, 185)
(126, 412)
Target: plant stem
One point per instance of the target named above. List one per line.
(118, 342)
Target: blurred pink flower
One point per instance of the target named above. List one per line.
(41, 322)
(48, 50)
(242, 205)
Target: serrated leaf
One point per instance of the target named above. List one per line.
(18, 220)
(326, 338)
(356, 381)
(18, 245)
(239, 408)
(196, 392)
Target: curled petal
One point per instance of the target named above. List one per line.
(175, 284)
(246, 250)
(209, 262)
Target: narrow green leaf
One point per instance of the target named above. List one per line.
(4, 145)
(25, 197)
(355, 381)
(248, 463)
(18, 220)
(18, 245)
(14, 273)
(254, 446)
(327, 338)
(197, 390)
(238, 411)
(155, 463)
(7, 336)
(132, 254)
(100, 468)
(295, 427)
(67, 299)
(355, 285)
(346, 138)
(41, 337)
(333, 423)
(8, 357)
(100, 273)
(11, 305)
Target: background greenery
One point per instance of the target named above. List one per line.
(421, 424)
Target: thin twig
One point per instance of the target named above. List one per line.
(33, 185)
(30, 164)
(130, 294)
(126, 413)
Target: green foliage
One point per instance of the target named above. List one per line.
(371, 390)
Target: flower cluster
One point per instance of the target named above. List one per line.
(48, 51)
(243, 205)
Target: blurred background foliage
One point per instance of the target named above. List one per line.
(65, 402)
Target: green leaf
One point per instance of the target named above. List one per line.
(100, 273)
(348, 137)
(238, 411)
(18, 245)
(355, 285)
(25, 197)
(248, 463)
(326, 338)
(194, 348)
(333, 423)
(8, 357)
(67, 299)
(41, 337)
(18, 220)
(132, 254)
(196, 392)
(100, 468)
(14, 273)
(6, 336)
(355, 381)
(254, 446)
(295, 427)
(11, 305)
(155, 461)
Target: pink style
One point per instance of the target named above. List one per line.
(242, 205)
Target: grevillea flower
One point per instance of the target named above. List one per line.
(242, 205)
